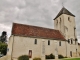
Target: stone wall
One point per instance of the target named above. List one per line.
(22, 45)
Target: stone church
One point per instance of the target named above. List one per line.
(39, 41)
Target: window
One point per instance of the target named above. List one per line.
(68, 41)
(69, 19)
(35, 41)
(76, 51)
(48, 42)
(57, 22)
(60, 19)
(71, 53)
(71, 41)
(60, 23)
(74, 31)
(59, 43)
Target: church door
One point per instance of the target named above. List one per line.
(71, 53)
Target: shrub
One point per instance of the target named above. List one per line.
(23, 57)
(60, 56)
(37, 59)
(65, 57)
(47, 57)
(3, 48)
(51, 56)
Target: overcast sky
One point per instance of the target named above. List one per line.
(35, 12)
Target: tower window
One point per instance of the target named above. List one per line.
(35, 41)
(75, 40)
(71, 41)
(59, 43)
(60, 23)
(69, 19)
(68, 41)
(57, 21)
(48, 42)
(60, 19)
(76, 51)
(74, 31)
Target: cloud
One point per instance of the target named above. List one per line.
(35, 12)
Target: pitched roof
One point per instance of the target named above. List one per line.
(34, 31)
(64, 11)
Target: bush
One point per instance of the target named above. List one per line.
(47, 57)
(23, 57)
(3, 48)
(51, 56)
(60, 56)
(65, 57)
(37, 59)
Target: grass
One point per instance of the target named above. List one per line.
(72, 59)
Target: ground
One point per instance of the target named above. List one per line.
(72, 59)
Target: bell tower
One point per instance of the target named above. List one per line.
(65, 23)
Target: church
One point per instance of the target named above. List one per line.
(39, 41)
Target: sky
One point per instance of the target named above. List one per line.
(35, 12)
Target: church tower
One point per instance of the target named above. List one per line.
(65, 23)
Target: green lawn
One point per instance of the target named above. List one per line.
(72, 59)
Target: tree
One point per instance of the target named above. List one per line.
(3, 37)
(3, 48)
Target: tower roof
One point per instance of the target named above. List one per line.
(64, 11)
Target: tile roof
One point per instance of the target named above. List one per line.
(34, 31)
(64, 11)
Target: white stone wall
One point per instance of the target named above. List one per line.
(79, 50)
(22, 45)
(10, 47)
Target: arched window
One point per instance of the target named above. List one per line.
(48, 42)
(35, 41)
